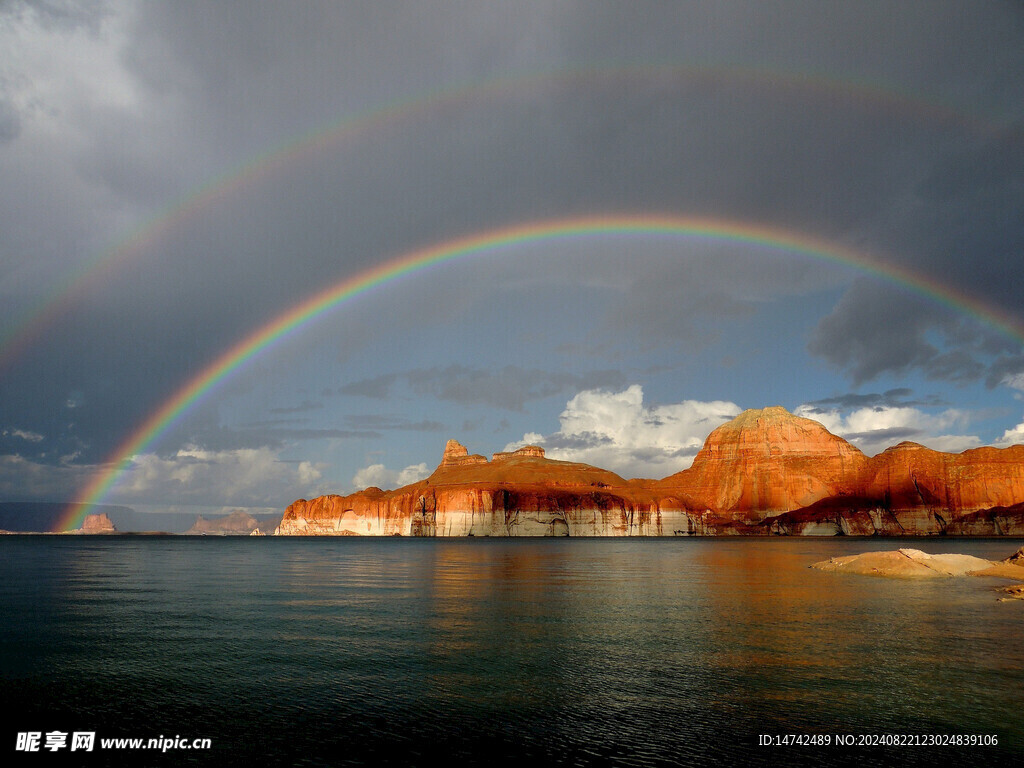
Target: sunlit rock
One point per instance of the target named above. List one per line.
(97, 524)
(766, 472)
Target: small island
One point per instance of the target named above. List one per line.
(908, 563)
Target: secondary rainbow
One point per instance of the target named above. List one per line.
(479, 244)
(18, 336)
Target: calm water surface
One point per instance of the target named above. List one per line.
(575, 652)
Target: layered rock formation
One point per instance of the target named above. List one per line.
(519, 493)
(766, 472)
(768, 461)
(790, 475)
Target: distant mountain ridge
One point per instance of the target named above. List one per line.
(765, 472)
(237, 523)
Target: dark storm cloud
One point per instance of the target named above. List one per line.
(97, 381)
(172, 96)
(960, 224)
(878, 329)
(938, 193)
(580, 146)
(577, 148)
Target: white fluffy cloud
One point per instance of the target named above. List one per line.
(1011, 437)
(616, 431)
(876, 428)
(380, 476)
(239, 477)
(192, 477)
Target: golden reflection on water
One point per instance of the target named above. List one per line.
(607, 642)
(506, 623)
(496, 609)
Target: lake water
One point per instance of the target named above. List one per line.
(491, 652)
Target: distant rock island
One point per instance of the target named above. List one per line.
(98, 523)
(238, 523)
(766, 472)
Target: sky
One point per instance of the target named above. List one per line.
(177, 176)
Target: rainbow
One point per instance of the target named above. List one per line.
(492, 241)
(19, 335)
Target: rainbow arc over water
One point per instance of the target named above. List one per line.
(868, 96)
(494, 242)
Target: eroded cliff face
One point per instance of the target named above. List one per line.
(910, 476)
(768, 461)
(520, 493)
(910, 490)
(767, 472)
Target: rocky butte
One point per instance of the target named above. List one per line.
(96, 524)
(238, 523)
(766, 472)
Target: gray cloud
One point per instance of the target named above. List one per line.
(304, 407)
(63, 14)
(378, 387)
(959, 221)
(897, 397)
(876, 329)
(509, 387)
(275, 437)
(1005, 368)
(886, 437)
(379, 421)
(891, 129)
(276, 434)
(10, 123)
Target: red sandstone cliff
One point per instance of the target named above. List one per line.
(519, 493)
(765, 472)
(769, 461)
